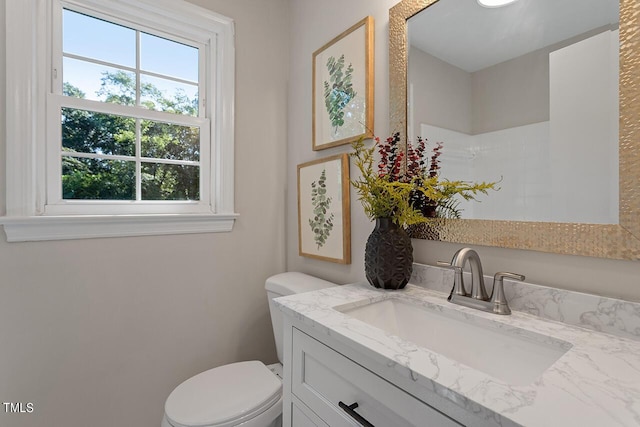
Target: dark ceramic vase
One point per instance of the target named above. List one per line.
(388, 256)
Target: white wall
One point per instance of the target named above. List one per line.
(98, 332)
(511, 93)
(313, 24)
(584, 129)
(517, 158)
(440, 94)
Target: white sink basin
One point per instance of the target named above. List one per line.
(513, 355)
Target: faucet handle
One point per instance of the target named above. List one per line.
(514, 276)
(458, 284)
(498, 298)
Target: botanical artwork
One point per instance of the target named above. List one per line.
(322, 222)
(339, 92)
(343, 87)
(323, 209)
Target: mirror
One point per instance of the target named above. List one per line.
(527, 93)
(519, 103)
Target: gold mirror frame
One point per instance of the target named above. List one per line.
(618, 241)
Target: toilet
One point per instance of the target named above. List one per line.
(247, 394)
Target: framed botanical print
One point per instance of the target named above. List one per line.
(324, 215)
(343, 87)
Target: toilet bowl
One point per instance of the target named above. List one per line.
(246, 394)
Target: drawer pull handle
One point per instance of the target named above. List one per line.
(349, 409)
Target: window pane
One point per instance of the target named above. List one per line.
(168, 141)
(98, 179)
(97, 39)
(154, 52)
(168, 95)
(88, 80)
(86, 131)
(170, 182)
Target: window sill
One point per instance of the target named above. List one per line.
(38, 228)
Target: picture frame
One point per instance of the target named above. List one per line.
(342, 87)
(324, 214)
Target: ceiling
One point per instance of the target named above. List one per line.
(472, 37)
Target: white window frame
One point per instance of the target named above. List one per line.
(31, 215)
(56, 205)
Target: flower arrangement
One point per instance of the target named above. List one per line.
(409, 194)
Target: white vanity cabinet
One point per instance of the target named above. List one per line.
(330, 356)
(321, 384)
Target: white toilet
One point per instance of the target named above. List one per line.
(247, 394)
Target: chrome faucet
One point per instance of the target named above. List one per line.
(477, 298)
(478, 291)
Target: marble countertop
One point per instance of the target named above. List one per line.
(595, 383)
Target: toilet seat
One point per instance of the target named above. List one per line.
(224, 396)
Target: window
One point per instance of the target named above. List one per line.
(125, 119)
(130, 127)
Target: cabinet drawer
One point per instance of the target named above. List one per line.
(302, 417)
(322, 377)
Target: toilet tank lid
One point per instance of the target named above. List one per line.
(294, 283)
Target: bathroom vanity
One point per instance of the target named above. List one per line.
(356, 355)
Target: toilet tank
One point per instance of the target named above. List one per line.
(288, 284)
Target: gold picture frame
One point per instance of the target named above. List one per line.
(342, 87)
(324, 213)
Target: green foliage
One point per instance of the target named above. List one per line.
(380, 197)
(170, 182)
(339, 93)
(385, 197)
(118, 88)
(448, 205)
(90, 132)
(98, 133)
(321, 224)
(98, 179)
(449, 208)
